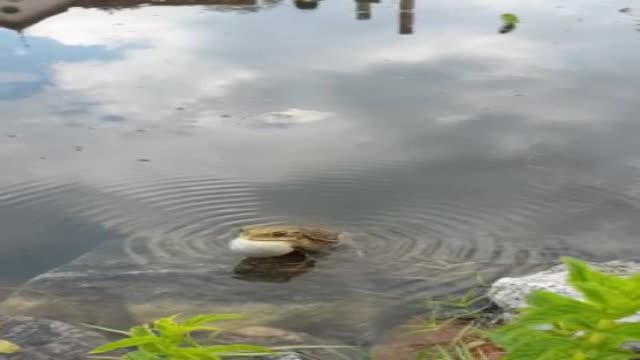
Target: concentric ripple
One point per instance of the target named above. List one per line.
(414, 236)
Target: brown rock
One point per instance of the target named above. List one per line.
(404, 342)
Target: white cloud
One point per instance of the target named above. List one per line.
(161, 62)
(143, 88)
(167, 61)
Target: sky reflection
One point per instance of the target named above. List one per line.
(268, 94)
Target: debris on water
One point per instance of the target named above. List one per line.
(626, 10)
(287, 118)
(225, 116)
(179, 108)
(141, 130)
(143, 160)
(509, 22)
(509, 19)
(8, 347)
(12, 136)
(113, 118)
(507, 28)
(78, 148)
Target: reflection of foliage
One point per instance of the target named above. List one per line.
(509, 19)
(629, 11)
(306, 4)
(560, 327)
(509, 22)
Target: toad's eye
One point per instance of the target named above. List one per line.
(279, 233)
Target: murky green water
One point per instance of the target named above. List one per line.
(146, 135)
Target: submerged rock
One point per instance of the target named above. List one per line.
(120, 284)
(43, 339)
(406, 341)
(510, 293)
(108, 288)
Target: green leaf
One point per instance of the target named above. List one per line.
(200, 328)
(207, 318)
(580, 272)
(635, 281)
(549, 349)
(625, 331)
(510, 19)
(547, 307)
(620, 297)
(124, 343)
(139, 331)
(8, 347)
(102, 328)
(557, 327)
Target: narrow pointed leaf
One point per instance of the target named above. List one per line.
(207, 318)
(124, 343)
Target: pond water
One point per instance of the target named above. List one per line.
(144, 135)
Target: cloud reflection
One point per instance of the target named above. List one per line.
(205, 86)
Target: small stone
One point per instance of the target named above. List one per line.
(43, 339)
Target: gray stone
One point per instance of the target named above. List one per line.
(510, 293)
(43, 339)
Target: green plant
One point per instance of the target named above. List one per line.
(168, 339)
(450, 311)
(454, 330)
(559, 327)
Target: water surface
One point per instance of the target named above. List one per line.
(151, 133)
